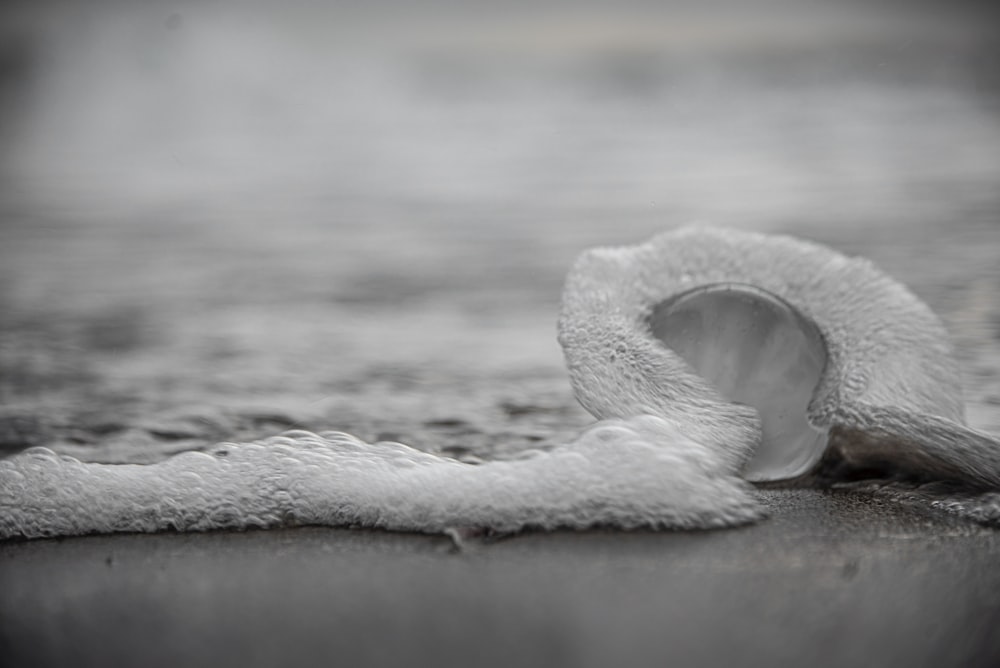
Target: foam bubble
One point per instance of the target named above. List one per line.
(629, 473)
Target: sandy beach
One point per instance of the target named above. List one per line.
(831, 580)
(220, 223)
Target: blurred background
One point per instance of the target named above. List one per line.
(223, 219)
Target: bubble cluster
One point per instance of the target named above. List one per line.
(630, 473)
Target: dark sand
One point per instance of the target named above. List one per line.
(219, 224)
(831, 580)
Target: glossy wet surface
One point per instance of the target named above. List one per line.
(756, 350)
(830, 580)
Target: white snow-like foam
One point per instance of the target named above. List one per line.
(636, 472)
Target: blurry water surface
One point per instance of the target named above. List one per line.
(299, 206)
(539, 115)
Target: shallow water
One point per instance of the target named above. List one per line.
(222, 226)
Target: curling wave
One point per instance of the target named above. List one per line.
(709, 357)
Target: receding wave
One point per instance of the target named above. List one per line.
(630, 473)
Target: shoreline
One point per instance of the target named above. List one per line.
(904, 586)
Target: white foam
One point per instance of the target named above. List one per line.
(636, 472)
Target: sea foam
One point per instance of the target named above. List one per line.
(629, 473)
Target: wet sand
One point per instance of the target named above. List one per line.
(373, 237)
(832, 579)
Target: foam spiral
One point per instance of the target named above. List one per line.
(657, 351)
